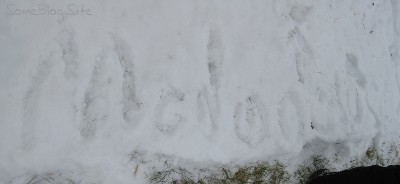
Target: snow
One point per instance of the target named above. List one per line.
(194, 83)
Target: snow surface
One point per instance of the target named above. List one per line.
(107, 95)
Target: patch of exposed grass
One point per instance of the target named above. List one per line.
(178, 175)
(371, 153)
(304, 171)
(259, 173)
(371, 157)
(276, 173)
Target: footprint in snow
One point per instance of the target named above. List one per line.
(250, 121)
(166, 114)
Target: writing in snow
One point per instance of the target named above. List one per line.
(45, 9)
